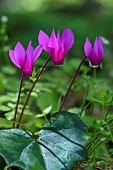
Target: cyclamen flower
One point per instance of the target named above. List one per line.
(94, 54)
(57, 46)
(25, 59)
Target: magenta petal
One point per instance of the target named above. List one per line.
(53, 53)
(58, 38)
(96, 46)
(28, 64)
(44, 40)
(30, 48)
(67, 39)
(37, 52)
(12, 57)
(96, 56)
(98, 50)
(64, 33)
(53, 43)
(19, 54)
(100, 46)
(29, 52)
(60, 55)
(57, 56)
(88, 48)
(27, 68)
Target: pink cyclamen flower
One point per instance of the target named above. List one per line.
(57, 46)
(94, 54)
(25, 59)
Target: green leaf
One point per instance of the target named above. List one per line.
(31, 157)
(2, 163)
(59, 146)
(9, 115)
(4, 108)
(45, 112)
(19, 149)
(13, 138)
(62, 141)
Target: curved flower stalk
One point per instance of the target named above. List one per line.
(57, 46)
(94, 54)
(71, 83)
(25, 59)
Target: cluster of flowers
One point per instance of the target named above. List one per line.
(57, 47)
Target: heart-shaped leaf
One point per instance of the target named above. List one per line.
(19, 149)
(59, 146)
(62, 141)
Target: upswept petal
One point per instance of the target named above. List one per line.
(37, 52)
(88, 48)
(67, 39)
(53, 43)
(30, 49)
(98, 49)
(13, 59)
(100, 46)
(44, 40)
(64, 33)
(96, 56)
(58, 38)
(29, 52)
(19, 54)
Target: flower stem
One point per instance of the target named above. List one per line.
(71, 83)
(38, 76)
(94, 146)
(21, 82)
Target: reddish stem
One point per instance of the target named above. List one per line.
(14, 119)
(71, 83)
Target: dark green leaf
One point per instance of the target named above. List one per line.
(31, 157)
(62, 141)
(11, 141)
(19, 149)
(2, 163)
(59, 146)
